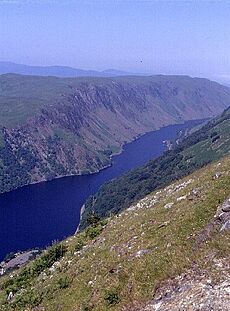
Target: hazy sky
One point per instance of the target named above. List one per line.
(182, 37)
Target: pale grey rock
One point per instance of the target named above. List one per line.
(10, 296)
(168, 205)
(142, 252)
(226, 206)
(194, 291)
(181, 198)
(226, 226)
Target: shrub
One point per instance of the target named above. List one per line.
(54, 253)
(112, 298)
(103, 222)
(63, 282)
(93, 232)
(93, 219)
(28, 298)
(79, 245)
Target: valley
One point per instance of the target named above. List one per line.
(171, 216)
(207, 144)
(114, 155)
(35, 215)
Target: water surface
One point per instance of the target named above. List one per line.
(35, 215)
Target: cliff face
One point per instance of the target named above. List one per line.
(53, 127)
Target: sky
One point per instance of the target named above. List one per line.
(168, 37)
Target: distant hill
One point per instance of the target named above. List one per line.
(59, 71)
(52, 127)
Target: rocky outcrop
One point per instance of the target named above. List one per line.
(195, 290)
(223, 214)
(219, 223)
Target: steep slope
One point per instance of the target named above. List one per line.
(53, 127)
(174, 240)
(207, 144)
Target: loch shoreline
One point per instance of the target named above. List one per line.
(35, 215)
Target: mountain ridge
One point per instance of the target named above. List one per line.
(59, 71)
(53, 127)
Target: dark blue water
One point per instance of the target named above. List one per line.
(35, 215)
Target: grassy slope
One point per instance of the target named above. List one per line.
(110, 273)
(208, 144)
(23, 96)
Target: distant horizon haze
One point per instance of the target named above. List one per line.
(148, 37)
(81, 72)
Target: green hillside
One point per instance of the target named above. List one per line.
(207, 144)
(119, 264)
